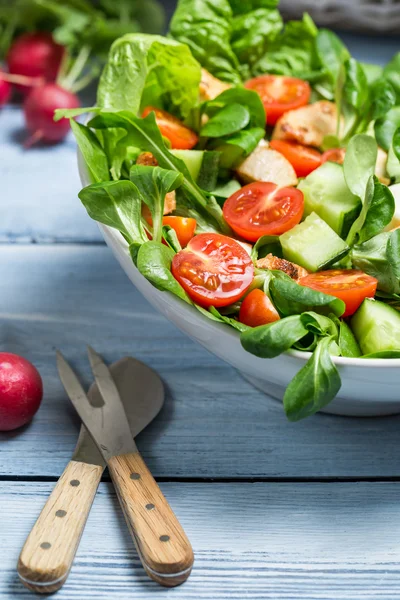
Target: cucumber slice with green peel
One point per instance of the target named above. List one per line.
(192, 159)
(312, 244)
(376, 326)
(326, 193)
(209, 170)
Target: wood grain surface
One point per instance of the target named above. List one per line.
(304, 541)
(213, 423)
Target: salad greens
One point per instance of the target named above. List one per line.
(184, 161)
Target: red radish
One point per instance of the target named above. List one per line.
(5, 91)
(35, 55)
(21, 391)
(39, 109)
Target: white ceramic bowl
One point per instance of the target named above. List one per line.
(369, 387)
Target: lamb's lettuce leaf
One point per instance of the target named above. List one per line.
(380, 257)
(391, 72)
(149, 70)
(240, 7)
(144, 134)
(153, 184)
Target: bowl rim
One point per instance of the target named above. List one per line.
(387, 363)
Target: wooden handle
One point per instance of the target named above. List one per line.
(50, 548)
(163, 547)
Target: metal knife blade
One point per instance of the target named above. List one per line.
(142, 393)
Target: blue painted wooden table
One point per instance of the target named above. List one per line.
(274, 510)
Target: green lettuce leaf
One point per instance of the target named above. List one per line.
(206, 27)
(293, 52)
(149, 70)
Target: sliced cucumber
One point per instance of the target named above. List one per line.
(208, 175)
(326, 193)
(202, 165)
(192, 159)
(312, 244)
(376, 326)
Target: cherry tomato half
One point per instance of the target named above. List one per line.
(213, 269)
(348, 285)
(334, 155)
(279, 94)
(180, 136)
(257, 309)
(262, 208)
(184, 226)
(302, 158)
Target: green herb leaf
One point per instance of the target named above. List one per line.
(359, 163)
(386, 126)
(145, 134)
(92, 152)
(228, 320)
(347, 342)
(148, 70)
(268, 341)
(230, 119)
(291, 298)
(154, 262)
(380, 258)
(154, 183)
(314, 386)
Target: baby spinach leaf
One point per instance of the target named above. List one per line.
(236, 147)
(252, 33)
(347, 342)
(268, 341)
(206, 28)
(247, 98)
(386, 126)
(380, 258)
(145, 134)
(149, 70)
(314, 386)
(230, 119)
(154, 183)
(293, 52)
(71, 113)
(118, 205)
(359, 163)
(391, 73)
(154, 262)
(224, 190)
(291, 298)
(92, 152)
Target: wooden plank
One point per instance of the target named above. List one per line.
(214, 424)
(335, 541)
(42, 183)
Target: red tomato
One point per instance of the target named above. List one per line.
(213, 269)
(257, 309)
(183, 226)
(180, 136)
(261, 208)
(348, 285)
(279, 94)
(334, 155)
(302, 158)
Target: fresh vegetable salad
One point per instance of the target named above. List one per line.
(254, 170)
